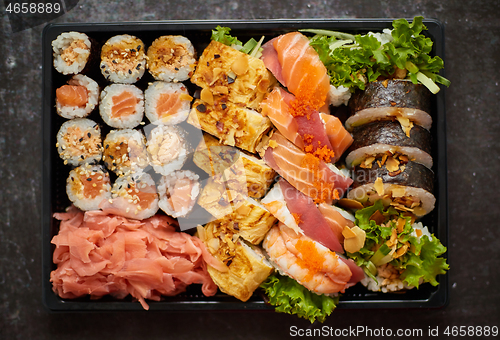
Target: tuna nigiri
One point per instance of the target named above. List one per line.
(309, 218)
(317, 133)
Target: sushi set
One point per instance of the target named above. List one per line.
(185, 170)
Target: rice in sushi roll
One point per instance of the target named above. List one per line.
(124, 151)
(122, 106)
(133, 196)
(167, 103)
(178, 193)
(78, 98)
(79, 141)
(87, 186)
(171, 58)
(123, 59)
(71, 52)
(167, 148)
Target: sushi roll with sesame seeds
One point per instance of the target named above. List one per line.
(171, 58)
(78, 98)
(123, 59)
(167, 103)
(122, 106)
(79, 141)
(167, 148)
(124, 151)
(87, 186)
(133, 196)
(178, 193)
(71, 52)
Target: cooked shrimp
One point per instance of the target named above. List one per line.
(314, 266)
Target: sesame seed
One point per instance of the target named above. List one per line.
(89, 179)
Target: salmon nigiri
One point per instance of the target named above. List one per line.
(302, 72)
(305, 172)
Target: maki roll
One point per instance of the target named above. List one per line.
(71, 52)
(79, 141)
(405, 185)
(387, 137)
(78, 98)
(391, 100)
(171, 58)
(178, 193)
(124, 151)
(87, 186)
(167, 148)
(123, 59)
(167, 103)
(122, 106)
(133, 196)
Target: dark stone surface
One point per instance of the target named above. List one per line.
(473, 129)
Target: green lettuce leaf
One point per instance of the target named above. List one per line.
(251, 47)
(221, 34)
(353, 65)
(424, 263)
(421, 263)
(288, 296)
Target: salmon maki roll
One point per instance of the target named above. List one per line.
(71, 52)
(167, 103)
(171, 58)
(178, 193)
(122, 106)
(78, 98)
(167, 148)
(133, 196)
(124, 151)
(123, 59)
(87, 186)
(79, 142)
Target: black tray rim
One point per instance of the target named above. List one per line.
(52, 303)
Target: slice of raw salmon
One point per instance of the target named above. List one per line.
(168, 104)
(124, 104)
(72, 95)
(339, 137)
(302, 70)
(304, 171)
(275, 106)
(180, 195)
